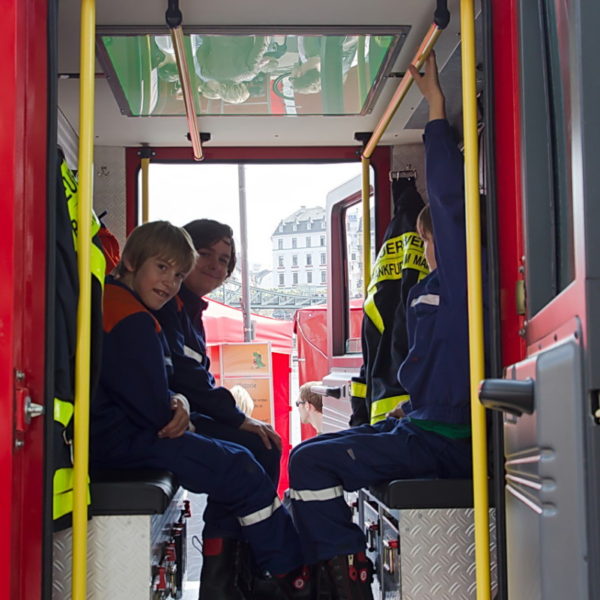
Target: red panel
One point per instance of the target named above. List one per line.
(281, 394)
(8, 117)
(23, 109)
(508, 172)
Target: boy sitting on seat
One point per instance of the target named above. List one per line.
(137, 422)
(430, 436)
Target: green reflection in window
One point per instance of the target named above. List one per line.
(250, 74)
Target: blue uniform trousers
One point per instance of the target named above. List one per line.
(242, 494)
(268, 459)
(323, 467)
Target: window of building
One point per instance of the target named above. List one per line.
(322, 240)
(309, 260)
(323, 276)
(354, 256)
(295, 260)
(308, 242)
(294, 243)
(295, 278)
(280, 244)
(280, 261)
(281, 279)
(309, 277)
(323, 258)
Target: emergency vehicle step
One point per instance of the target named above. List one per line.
(131, 491)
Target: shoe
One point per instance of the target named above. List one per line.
(220, 570)
(351, 576)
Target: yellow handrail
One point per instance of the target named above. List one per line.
(419, 58)
(82, 355)
(475, 302)
(145, 164)
(366, 218)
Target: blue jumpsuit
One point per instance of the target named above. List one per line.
(133, 403)
(214, 412)
(435, 373)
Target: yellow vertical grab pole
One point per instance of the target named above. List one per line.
(82, 355)
(366, 219)
(145, 190)
(475, 302)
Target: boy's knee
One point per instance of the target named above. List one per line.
(303, 461)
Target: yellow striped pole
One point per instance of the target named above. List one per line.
(475, 301)
(82, 356)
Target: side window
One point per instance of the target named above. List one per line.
(280, 261)
(546, 112)
(281, 279)
(309, 277)
(280, 244)
(308, 260)
(295, 260)
(353, 233)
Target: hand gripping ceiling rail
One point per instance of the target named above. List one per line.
(480, 474)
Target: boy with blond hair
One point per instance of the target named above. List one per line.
(137, 422)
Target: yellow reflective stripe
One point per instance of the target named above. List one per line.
(98, 264)
(370, 309)
(97, 258)
(317, 495)
(381, 407)
(260, 515)
(63, 411)
(63, 480)
(62, 489)
(358, 389)
(396, 254)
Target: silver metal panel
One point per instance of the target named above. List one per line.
(546, 515)
(118, 559)
(437, 554)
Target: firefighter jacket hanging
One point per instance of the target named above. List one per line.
(399, 265)
(65, 314)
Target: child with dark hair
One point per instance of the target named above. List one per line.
(139, 421)
(214, 411)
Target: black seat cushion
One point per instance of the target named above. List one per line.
(425, 493)
(131, 492)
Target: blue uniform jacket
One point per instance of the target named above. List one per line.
(181, 321)
(133, 400)
(436, 369)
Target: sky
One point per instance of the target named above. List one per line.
(181, 193)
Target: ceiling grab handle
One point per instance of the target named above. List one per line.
(84, 303)
(174, 18)
(441, 19)
(475, 301)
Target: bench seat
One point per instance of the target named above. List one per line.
(131, 492)
(425, 493)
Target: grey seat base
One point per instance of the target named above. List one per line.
(425, 493)
(131, 492)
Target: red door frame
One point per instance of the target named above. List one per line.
(23, 107)
(380, 161)
(508, 181)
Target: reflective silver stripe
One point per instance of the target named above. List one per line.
(260, 515)
(193, 354)
(325, 494)
(432, 299)
(168, 361)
